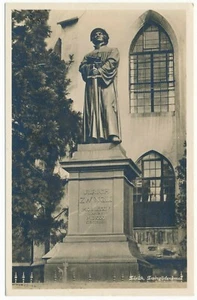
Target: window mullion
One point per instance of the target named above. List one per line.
(152, 82)
(137, 70)
(167, 78)
(162, 190)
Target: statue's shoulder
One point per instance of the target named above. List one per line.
(114, 49)
(106, 48)
(109, 49)
(92, 53)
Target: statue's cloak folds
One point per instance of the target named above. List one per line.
(106, 60)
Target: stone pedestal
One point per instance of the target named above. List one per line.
(99, 244)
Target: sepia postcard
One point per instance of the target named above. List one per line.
(99, 149)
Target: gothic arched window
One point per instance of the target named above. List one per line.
(152, 83)
(154, 191)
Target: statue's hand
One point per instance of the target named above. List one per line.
(95, 72)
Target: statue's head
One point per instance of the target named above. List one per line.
(103, 34)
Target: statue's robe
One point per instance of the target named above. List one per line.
(108, 115)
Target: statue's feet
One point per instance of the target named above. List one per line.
(115, 139)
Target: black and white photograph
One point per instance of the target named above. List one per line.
(99, 108)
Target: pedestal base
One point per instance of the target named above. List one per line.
(99, 245)
(91, 272)
(84, 258)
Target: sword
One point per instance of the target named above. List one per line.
(94, 79)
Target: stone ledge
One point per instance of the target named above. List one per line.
(99, 151)
(95, 238)
(93, 251)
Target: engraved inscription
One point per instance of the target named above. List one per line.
(95, 196)
(97, 215)
(95, 205)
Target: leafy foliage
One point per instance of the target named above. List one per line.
(181, 200)
(44, 126)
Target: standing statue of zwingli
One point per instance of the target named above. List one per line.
(101, 122)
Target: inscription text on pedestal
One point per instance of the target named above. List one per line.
(95, 207)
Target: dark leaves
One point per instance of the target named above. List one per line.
(44, 125)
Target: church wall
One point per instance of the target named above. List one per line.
(163, 132)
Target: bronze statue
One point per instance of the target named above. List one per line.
(101, 121)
